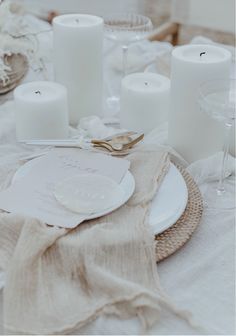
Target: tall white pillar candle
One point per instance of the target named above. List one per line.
(78, 48)
(41, 111)
(144, 101)
(192, 132)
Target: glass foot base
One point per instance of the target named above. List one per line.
(219, 199)
(113, 105)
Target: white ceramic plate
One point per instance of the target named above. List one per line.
(170, 202)
(167, 206)
(127, 185)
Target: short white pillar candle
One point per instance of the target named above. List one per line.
(144, 101)
(41, 111)
(78, 59)
(192, 132)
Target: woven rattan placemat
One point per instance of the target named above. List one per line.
(177, 235)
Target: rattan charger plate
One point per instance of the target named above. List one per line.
(169, 241)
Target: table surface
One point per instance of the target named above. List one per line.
(200, 277)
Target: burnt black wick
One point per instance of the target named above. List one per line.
(202, 53)
(146, 83)
(38, 92)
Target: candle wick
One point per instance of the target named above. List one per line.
(146, 83)
(77, 20)
(202, 53)
(38, 92)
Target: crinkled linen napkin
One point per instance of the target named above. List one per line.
(58, 280)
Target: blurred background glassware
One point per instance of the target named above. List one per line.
(23, 56)
(125, 29)
(18, 67)
(218, 99)
(30, 47)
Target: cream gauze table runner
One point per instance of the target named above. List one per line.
(58, 280)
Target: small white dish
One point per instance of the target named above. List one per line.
(127, 185)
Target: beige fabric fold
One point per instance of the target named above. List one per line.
(58, 280)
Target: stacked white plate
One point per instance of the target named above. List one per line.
(167, 206)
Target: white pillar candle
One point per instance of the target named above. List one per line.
(41, 111)
(192, 132)
(144, 101)
(78, 53)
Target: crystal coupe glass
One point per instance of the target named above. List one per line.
(218, 99)
(125, 29)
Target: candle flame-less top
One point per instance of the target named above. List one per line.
(77, 20)
(40, 92)
(146, 82)
(201, 53)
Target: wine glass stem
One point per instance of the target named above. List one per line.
(125, 59)
(221, 188)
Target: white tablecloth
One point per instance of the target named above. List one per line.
(200, 277)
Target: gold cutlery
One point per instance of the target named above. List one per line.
(100, 148)
(113, 145)
(117, 142)
(122, 137)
